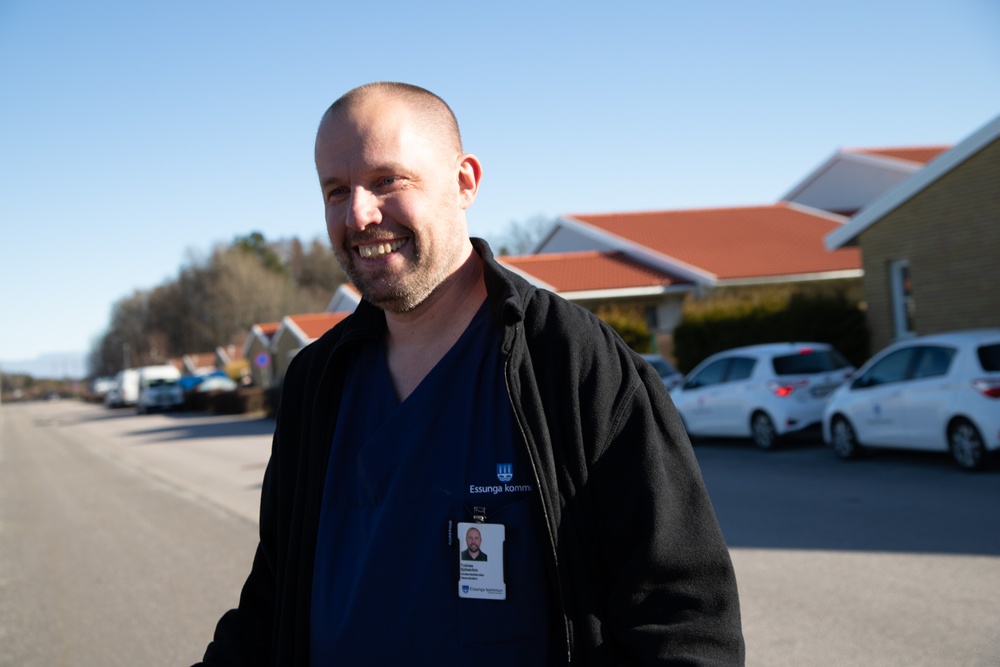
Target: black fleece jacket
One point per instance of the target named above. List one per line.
(639, 568)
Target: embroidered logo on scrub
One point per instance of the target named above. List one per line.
(505, 473)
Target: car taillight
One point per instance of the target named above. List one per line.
(987, 387)
(782, 390)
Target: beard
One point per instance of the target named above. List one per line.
(395, 291)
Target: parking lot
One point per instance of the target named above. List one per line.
(891, 559)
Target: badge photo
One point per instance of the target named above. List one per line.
(480, 561)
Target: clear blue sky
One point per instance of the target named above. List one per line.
(134, 133)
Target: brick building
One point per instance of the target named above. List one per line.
(931, 246)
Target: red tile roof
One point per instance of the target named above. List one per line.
(736, 243)
(314, 325)
(921, 154)
(268, 328)
(593, 270)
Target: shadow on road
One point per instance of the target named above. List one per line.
(202, 426)
(803, 497)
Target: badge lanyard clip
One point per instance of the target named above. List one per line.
(479, 514)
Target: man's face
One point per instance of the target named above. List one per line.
(472, 540)
(395, 208)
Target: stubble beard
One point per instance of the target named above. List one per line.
(395, 293)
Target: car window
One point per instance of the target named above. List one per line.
(934, 361)
(740, 368)
(989, 357)
(709, 375)
(814, 361)
(662, 366)
(894, 367)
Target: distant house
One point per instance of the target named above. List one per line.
(930, 245)
(853, 177)
(684, 252)
(595, 278)
(344, 300)
(257, 351)
(294, 333)
(228, 354)
(201, 363)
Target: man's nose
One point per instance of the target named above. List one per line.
(363, 209)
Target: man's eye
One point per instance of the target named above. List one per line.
(389, 180)
(336, 193)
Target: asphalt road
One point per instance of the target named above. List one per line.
(123, 538)
(101, 561)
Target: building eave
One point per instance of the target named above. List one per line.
(796, 278)
(912, 186)
(626, 292)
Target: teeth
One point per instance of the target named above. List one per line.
(380, 249)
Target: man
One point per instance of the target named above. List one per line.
(457, 392)
(474, 540)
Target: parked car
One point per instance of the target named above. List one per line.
(159, 389)
(671, 376)
(214, 383)
(939, 393)
(100, 386)
(760, 391)
(126, 389)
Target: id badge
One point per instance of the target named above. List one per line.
(480, 561)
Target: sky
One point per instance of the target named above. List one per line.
(136, 136)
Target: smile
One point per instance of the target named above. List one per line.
(380, 249)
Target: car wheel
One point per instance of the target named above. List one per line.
(967, 447)
(843, 440)
(762, 431)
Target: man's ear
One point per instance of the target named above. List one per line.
(470, 173)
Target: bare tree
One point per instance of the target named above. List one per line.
(214, 300)
(520, 238)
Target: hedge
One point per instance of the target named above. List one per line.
(821, 318)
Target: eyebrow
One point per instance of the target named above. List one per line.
(384, 168)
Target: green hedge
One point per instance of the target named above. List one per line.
(630, 323)
(823, 318)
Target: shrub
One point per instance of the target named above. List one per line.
(630, 324)
(722, 324)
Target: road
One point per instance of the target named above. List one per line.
(123, 538)
(121, 542)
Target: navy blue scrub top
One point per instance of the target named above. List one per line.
(400, 478)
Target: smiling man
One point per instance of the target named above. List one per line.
(457, 393)
(474, 540)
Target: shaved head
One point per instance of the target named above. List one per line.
(396, 186)
(434, 113)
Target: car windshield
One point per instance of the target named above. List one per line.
(162, 383)
(811, 361)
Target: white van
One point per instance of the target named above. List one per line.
(159, 389)
(125, 391)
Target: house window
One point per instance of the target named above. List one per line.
(902, 298)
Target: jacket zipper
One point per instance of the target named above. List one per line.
(545, 512)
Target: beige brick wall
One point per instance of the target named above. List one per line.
(950, 233)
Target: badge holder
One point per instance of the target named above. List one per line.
(480, 558)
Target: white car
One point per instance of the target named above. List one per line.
(761, 391)
(159, 389)
(671, 376)
(936, 393)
